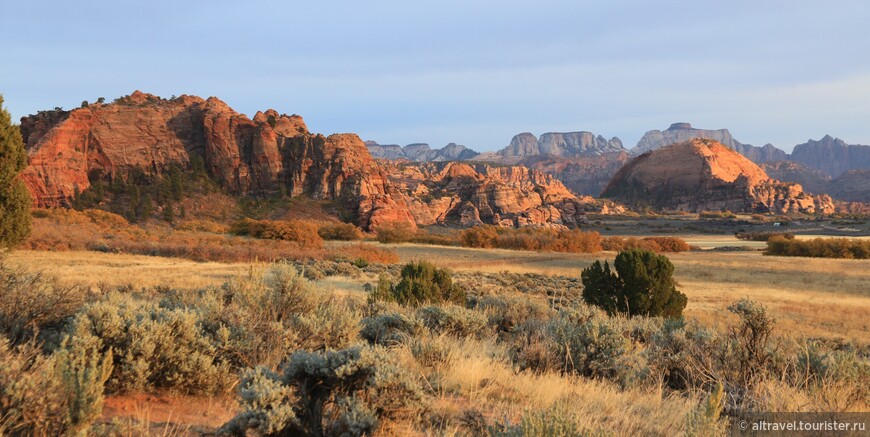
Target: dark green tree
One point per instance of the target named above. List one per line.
(642, 285)
(14, 197)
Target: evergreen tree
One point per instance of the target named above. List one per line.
(644, 285)
(14, 197)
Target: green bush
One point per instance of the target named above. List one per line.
(643, 284)
(421, 283)
(349, 392)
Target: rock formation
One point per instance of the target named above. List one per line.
(467, 194)
(832, 155)
(421, 152)
(681, 132)
(812, 180)
(145, 133)
(569, 144)
(583, 175)
(703, 174)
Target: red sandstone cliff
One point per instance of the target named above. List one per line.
(68, 150)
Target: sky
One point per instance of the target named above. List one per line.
(470, 72)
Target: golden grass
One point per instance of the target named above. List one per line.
(811, 297)
(476, 377)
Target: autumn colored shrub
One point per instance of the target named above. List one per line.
(202, 225)
(532, 238)
(396, 233)
(669, 244)
(366, 252)
(483, 237)
(642, 284)
(763, 236)
(652, 244)
(853, 248)
(303, 232)
(339, 231)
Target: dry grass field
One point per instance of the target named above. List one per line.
(808, 296)
(814, 297)
(471, 378)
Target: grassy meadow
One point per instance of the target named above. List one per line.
(525, 356)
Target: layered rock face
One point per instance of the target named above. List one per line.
(568, 144)
(145, 133)
(701, 175)
(469, 194)
(832, 155)
(681, 132)
(420, 152)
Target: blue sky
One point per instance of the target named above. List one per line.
(475, 73)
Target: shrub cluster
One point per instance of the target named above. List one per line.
(851, 248)
(339, 231)
(763, 236)
(652, 244)
(62, 229)
(532, 238)
(303, 232)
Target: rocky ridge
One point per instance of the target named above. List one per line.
(420, 152)
(272, 153)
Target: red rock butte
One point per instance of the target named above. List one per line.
(704, 175)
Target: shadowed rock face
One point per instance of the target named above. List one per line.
(701, 174)
(245, 156)
(852, 186)
(468, 194)
(812, 180)
(832, 155)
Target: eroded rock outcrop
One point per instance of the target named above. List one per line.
(145, 133)
(703, 174)
(468, 194)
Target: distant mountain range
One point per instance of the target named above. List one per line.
(585, 162)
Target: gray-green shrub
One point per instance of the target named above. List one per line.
(347, 392)
(453, 320)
